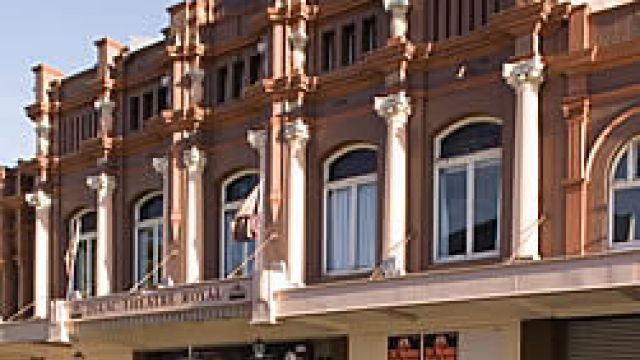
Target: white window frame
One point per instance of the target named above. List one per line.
(77, 236)
(353, 184)
(632, 181)
(149, 223)
(224, 207)
(469, 161)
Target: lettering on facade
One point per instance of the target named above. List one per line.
(171, 299)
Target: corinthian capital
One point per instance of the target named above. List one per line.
(103, 183)
(257, 139)
(395, 108)
(296, 133)
(529, 71)
(39, 200)
(194, 159)
(160, 165)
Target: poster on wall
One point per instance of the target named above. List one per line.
(440, 346)
(404, 347)
(426, 346)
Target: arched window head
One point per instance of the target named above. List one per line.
(468, 189)
(149, 239)
(351, 210)
(625, 197)
(235, 255)
(82, 244)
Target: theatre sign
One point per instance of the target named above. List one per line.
(203, 301)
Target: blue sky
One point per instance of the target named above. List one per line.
(59, 33)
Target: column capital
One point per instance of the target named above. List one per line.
(395, 108)
(39, 200)
(194, 159)
(296, 133)
(102, 183)
(160, 165)
(528, 71)
(257, 139)
(396, 5)
(298, 39)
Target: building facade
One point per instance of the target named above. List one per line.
(432, 179)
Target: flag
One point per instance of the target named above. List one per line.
(245, 226)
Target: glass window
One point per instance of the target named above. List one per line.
(351, 214)
(134, 113)
(83, 247)
(348, 44)
(625, 197)
(149, 239)
(328, 50)
(369, 34)
(147, 105)
(236, 254)
(469, 188)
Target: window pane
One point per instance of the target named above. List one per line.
(145, 251)
(233, 250)
(152, 208)
(471, 138)
(453, 211)
(160, 245)
(240, 188)
(367, 226)
(354, 163)
(339, 250)
(637, 147)
(91, 267)
(80, 274)
(621, 169)
(487, 194)
(626, 215)
(89, 223)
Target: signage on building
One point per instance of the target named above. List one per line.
(425, 346)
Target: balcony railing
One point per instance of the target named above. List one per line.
(203, 301)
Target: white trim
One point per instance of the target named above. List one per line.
(224, 206)
(631, 148)
(150, 223)
(352, 183)
(468, 161)
(77, 236)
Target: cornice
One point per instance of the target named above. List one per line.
(336, 7)
(595, 58)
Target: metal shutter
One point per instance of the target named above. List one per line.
(604, 339)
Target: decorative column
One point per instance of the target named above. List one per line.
(298, 40)
(399, 21)
(258, 140)
(104, 185)
(296, 134)
(195, 161)
(395, 109)
(525, 77)
(41, 285)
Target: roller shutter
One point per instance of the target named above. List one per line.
(604, 339)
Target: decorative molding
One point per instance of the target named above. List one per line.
(257, 139)
(296, 133)
(39, 200)
(160, 165)
(399, 20)
(104, 184)
(395, 108)
(194, 159)
(529, 71)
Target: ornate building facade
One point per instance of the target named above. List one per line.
(434, 179)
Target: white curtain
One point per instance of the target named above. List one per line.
(339, 252)
(367, 222)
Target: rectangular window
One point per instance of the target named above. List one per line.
(238, 79)
(348, 44)
(163, 99)
(134, 113)
(255, 68)
(236, 252)
(328, 50)
(453, 212)
(147, 105)
(486, 206)
(221, 85)
(369, 34)
(626, 208)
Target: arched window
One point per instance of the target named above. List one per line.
(467, 180)
(350, 210)
(625, 197)
(148, 238)
(234, 253)
(83, 231)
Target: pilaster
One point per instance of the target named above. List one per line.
(395, 109)
(194, 161)
(104, 185)
(525, 77)
(41, 201)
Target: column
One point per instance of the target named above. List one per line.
(104, 185)
(399, 21)
(525, 77)
(258, 140)
(41, 286)
(395, 109)
(195, 161)
(296, 135)
(298, 40)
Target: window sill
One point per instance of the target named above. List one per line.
(464, 258)
(624, 246)
(346, 273)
